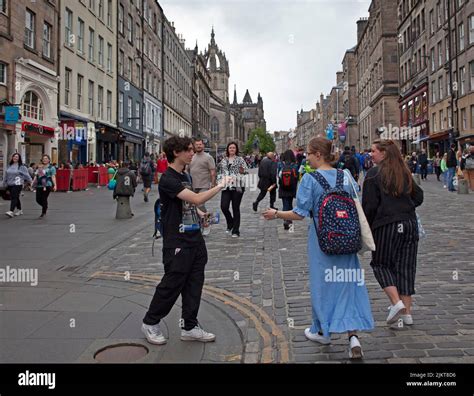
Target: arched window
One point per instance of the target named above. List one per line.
(32, 107)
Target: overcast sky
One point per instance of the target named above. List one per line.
(288, 50)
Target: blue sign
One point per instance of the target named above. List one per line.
(330, 132)
(12, 114)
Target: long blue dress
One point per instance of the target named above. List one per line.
(339, 304)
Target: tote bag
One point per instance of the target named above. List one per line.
(366, 233)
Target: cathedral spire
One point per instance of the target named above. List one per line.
(213, 35)
(247, 98)
(235, 94)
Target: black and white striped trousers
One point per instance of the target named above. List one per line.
(394, 261)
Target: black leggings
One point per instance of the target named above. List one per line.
(228, 196)
(42, 198)
(15, 192)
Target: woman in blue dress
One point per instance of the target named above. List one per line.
(339, 297)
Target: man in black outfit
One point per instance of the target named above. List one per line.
(451, 163)
(184, 249)
(267, 175)
(423, 161)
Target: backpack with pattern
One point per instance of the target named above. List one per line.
(338, 227)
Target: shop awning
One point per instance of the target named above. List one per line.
(468, 138)
(439, 136)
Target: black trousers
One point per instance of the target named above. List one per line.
(184, 274)
(15, 192)
(262, 195)
(424, 171)
(394, 261)
(233, 220)
(287, 205)
(438, 172)
(42, 198)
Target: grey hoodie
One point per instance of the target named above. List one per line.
(16, 176)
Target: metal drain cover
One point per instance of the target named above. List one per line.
(121, 353)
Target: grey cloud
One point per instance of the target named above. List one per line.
(289, 51)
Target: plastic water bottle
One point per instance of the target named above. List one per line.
(216, 218)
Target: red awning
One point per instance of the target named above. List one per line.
(37, 129)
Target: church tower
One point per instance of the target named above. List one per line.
(218, 69)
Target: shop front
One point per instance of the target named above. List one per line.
(107, 143)
(132, 148)
(414, 120)
(73, 142)
(35, 141)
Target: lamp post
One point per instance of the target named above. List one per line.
(337, 88)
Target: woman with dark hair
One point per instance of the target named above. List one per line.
(15, 177)
(235, 166)
(339, 304)
(287, 182)
(389, 199)
(45, 182)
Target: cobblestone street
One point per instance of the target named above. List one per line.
(260, 283)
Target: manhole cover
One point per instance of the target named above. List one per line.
(122, 353)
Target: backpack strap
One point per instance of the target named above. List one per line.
(340, 179)
(321, 180)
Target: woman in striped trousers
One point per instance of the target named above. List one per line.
(389, 199)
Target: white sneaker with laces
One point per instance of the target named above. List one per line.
(10, 213)
(407, 319)
(154, 334)
(197, 334)
(395, 312)
(18, 213)
(355, 349)
(317, 337)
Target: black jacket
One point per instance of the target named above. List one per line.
(267, 173)
(452, 161)
(381, 209)
(423, 160)
(126, 183)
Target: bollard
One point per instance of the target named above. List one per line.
(463, 186)
(417, 178)
(123, 208)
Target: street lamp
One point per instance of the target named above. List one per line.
(337, 88)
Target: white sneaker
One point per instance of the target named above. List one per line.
(154, 334)
(444, 186)
(407, 319)
(197, 334)
(355, 349)
(19, 213)
(10, 213)
(206, 231)
(235, 235)
(316, 337)
(395, 312)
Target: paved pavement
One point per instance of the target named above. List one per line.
(96, 283)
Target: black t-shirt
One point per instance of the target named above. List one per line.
(181, 225)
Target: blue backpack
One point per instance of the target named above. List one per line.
(158, 225)
(338, 227)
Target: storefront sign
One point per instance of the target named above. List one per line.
(12, 114)
(37, 129)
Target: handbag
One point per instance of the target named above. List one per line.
(421, 230)
(368, 242)
(5, 193)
